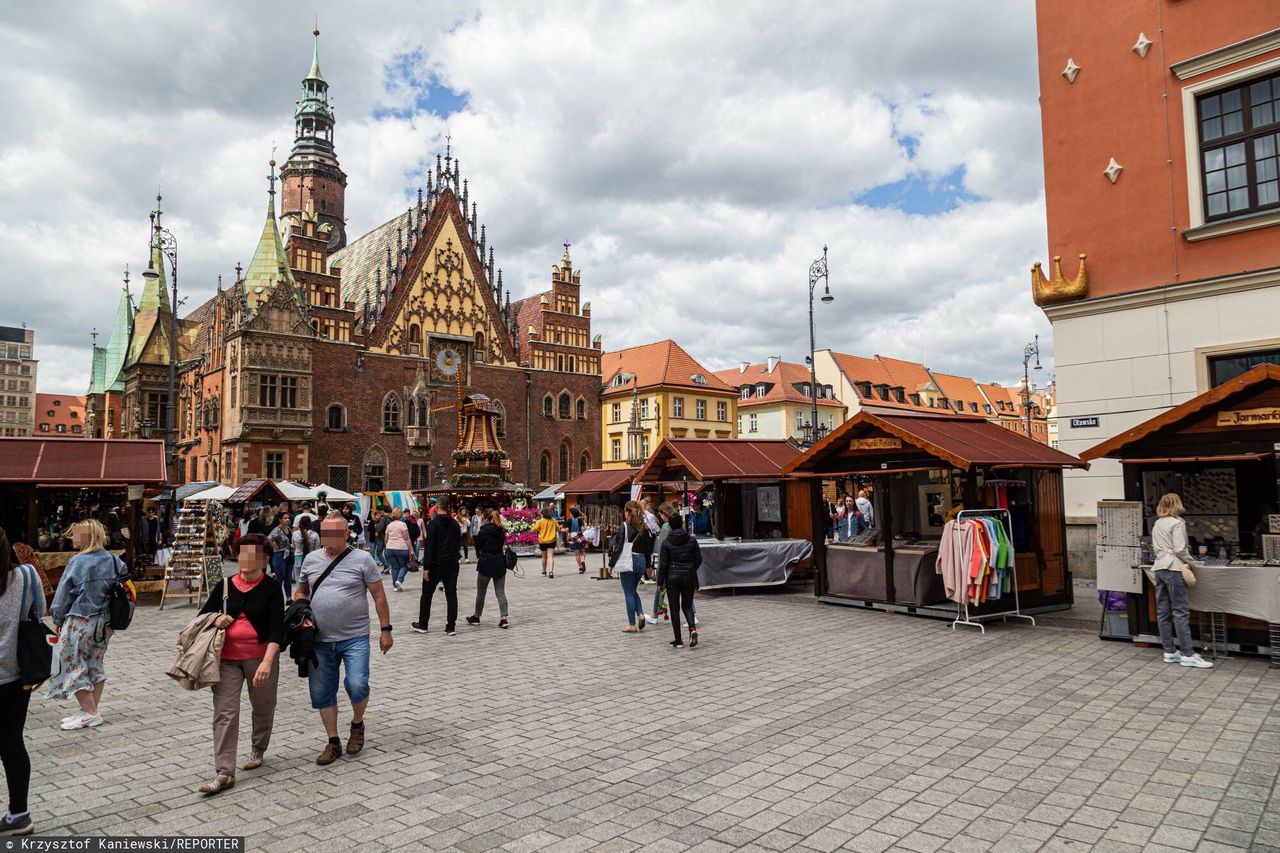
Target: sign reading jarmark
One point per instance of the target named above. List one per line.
(1249, 417)
(875, 444)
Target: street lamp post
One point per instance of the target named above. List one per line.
(1031, 349)
(817, 270)
(163, 240)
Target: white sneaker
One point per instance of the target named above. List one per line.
(399, 586)
(82, 721)
(1196, 661)
(1172, 657)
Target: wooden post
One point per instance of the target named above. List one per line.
(886, 513)
(818, 535)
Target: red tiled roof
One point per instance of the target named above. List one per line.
(91, 461)
(660, 363)
(962, 389)
(963, 442)
(786, 375)
(598, 480)
(720, 459)
(909, 375)
(54, 410)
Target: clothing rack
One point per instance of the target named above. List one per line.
(963, 616)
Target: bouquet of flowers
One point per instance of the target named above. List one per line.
(518, 523)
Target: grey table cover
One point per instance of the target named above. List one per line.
(751, 562)
(1251, 591)
(858, 572)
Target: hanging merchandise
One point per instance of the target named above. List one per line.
(978, 565)
(196, 555)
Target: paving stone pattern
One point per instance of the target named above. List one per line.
(792, 725)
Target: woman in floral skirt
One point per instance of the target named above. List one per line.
(79, 612)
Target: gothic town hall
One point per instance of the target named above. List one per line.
(337, 361)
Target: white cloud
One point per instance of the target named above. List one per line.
(698, 156)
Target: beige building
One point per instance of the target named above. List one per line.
(17, 381)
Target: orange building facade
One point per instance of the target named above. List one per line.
(1161, 126)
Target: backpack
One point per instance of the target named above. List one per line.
(120, 603)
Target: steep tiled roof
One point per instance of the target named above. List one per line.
(361, 258)
(908, 375)
(660, 363)
(54, 410)
(963, 390)
(782, 384)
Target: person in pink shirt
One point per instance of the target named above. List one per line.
(397, 548)
(252, 608)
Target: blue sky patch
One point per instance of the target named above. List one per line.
(405, 75)
(921, 193)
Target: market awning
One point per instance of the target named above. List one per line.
(550, 493)
(83, 461)
(217, 492)
(707, 459)
(256, 490)
(1239, 416)
(187, 490)
(599, 481)
(910, 441)
(333, 495)
(295, 491)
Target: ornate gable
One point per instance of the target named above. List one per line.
(280, 313)
(443, 290)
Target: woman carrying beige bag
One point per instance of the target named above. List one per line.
(1169, 539)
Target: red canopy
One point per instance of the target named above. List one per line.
(707, 459)
(599, 481)
(81, 461)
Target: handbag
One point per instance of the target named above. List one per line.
(1188, 576)
(35, 639)
(511, 558)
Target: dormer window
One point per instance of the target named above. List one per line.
(987, 408)
(900, 394)
(915, 399)
(698, 379)
(864, 389)
(761, 390)
(746, 392)
(882, 391)
(973, 407)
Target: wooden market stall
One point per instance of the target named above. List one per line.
(1218, 452)
(48, 484)
(600, 494)
(927, 468)
(759, 518)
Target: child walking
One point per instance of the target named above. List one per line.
(547, 531)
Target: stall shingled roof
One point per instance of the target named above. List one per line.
(256, 490)
(707, 459)
(962, 442)
(82, 461)
(598, 481)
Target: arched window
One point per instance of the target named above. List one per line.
(411, 413)
(584, 463)
(391, 413)
(415, 339)
(564, 462)
(500, 422)
(335, 418)
(548, 406)
(544, 468)
(479, 354)
(573, 365)
(560, 363)
(582, 409)
(566, 406)
(375, 469)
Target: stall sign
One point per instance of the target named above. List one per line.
(135, 493)
(875, 444)
(1249, 417)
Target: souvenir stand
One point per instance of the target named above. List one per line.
(926, 470)
(54, 482)
(258, 492)
(759, 518)
(600, 494)
(196, 561)
(1218, 453)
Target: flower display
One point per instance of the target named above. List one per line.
(518, 524)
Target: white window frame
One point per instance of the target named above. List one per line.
(700, 410)
(754, 422)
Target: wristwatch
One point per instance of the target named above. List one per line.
(386, 629)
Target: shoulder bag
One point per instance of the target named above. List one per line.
(35, 638)
(333, 565)
(1188, 576)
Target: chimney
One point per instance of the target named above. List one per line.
(773, 362)
(742, 366)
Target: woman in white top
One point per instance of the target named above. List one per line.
(1169, 540)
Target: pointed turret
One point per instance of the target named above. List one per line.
(270, 265)
(117, 348)
(152, 321)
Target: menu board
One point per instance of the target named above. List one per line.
(1119, 548)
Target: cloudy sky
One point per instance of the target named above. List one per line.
(696, 155)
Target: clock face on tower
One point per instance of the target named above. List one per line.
(446, 361)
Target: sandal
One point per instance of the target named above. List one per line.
(254, 762)
(218, 785)
(630, 629)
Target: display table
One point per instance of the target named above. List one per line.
(856, 571)
(1250, 591)
(751, 562)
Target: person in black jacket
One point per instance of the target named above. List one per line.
(491, 565)
(440, 555)
(253, 618)
(678, 571)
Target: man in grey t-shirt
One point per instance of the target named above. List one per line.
(342, 630)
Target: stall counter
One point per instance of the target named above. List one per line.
(1252, 591)
(858, 571)
(749, 562)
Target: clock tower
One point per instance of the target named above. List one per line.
(311, 177)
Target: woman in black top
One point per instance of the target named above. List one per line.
(491, 565)
(253, 619)
(678, 563)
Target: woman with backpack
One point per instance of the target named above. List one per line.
(678, 573)
(629, 555)
(81, 615)
(574, 529)
(252, 615)
(491, 565)
(16, 601)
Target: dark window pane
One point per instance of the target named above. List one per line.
(1211, 129)
(1260, 91)
(1213, 159)
(1217, 204)
(1235, 154)
(1238, 199)
(1215, 182)
(1267, 193)
(1233, 123)
(1227, 368)
(1230, 100)
(1237, 176)
(1267, 169)
(1265, 146)
(1211, 106)
(1263, 115)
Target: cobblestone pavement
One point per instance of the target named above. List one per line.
(792, 725)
